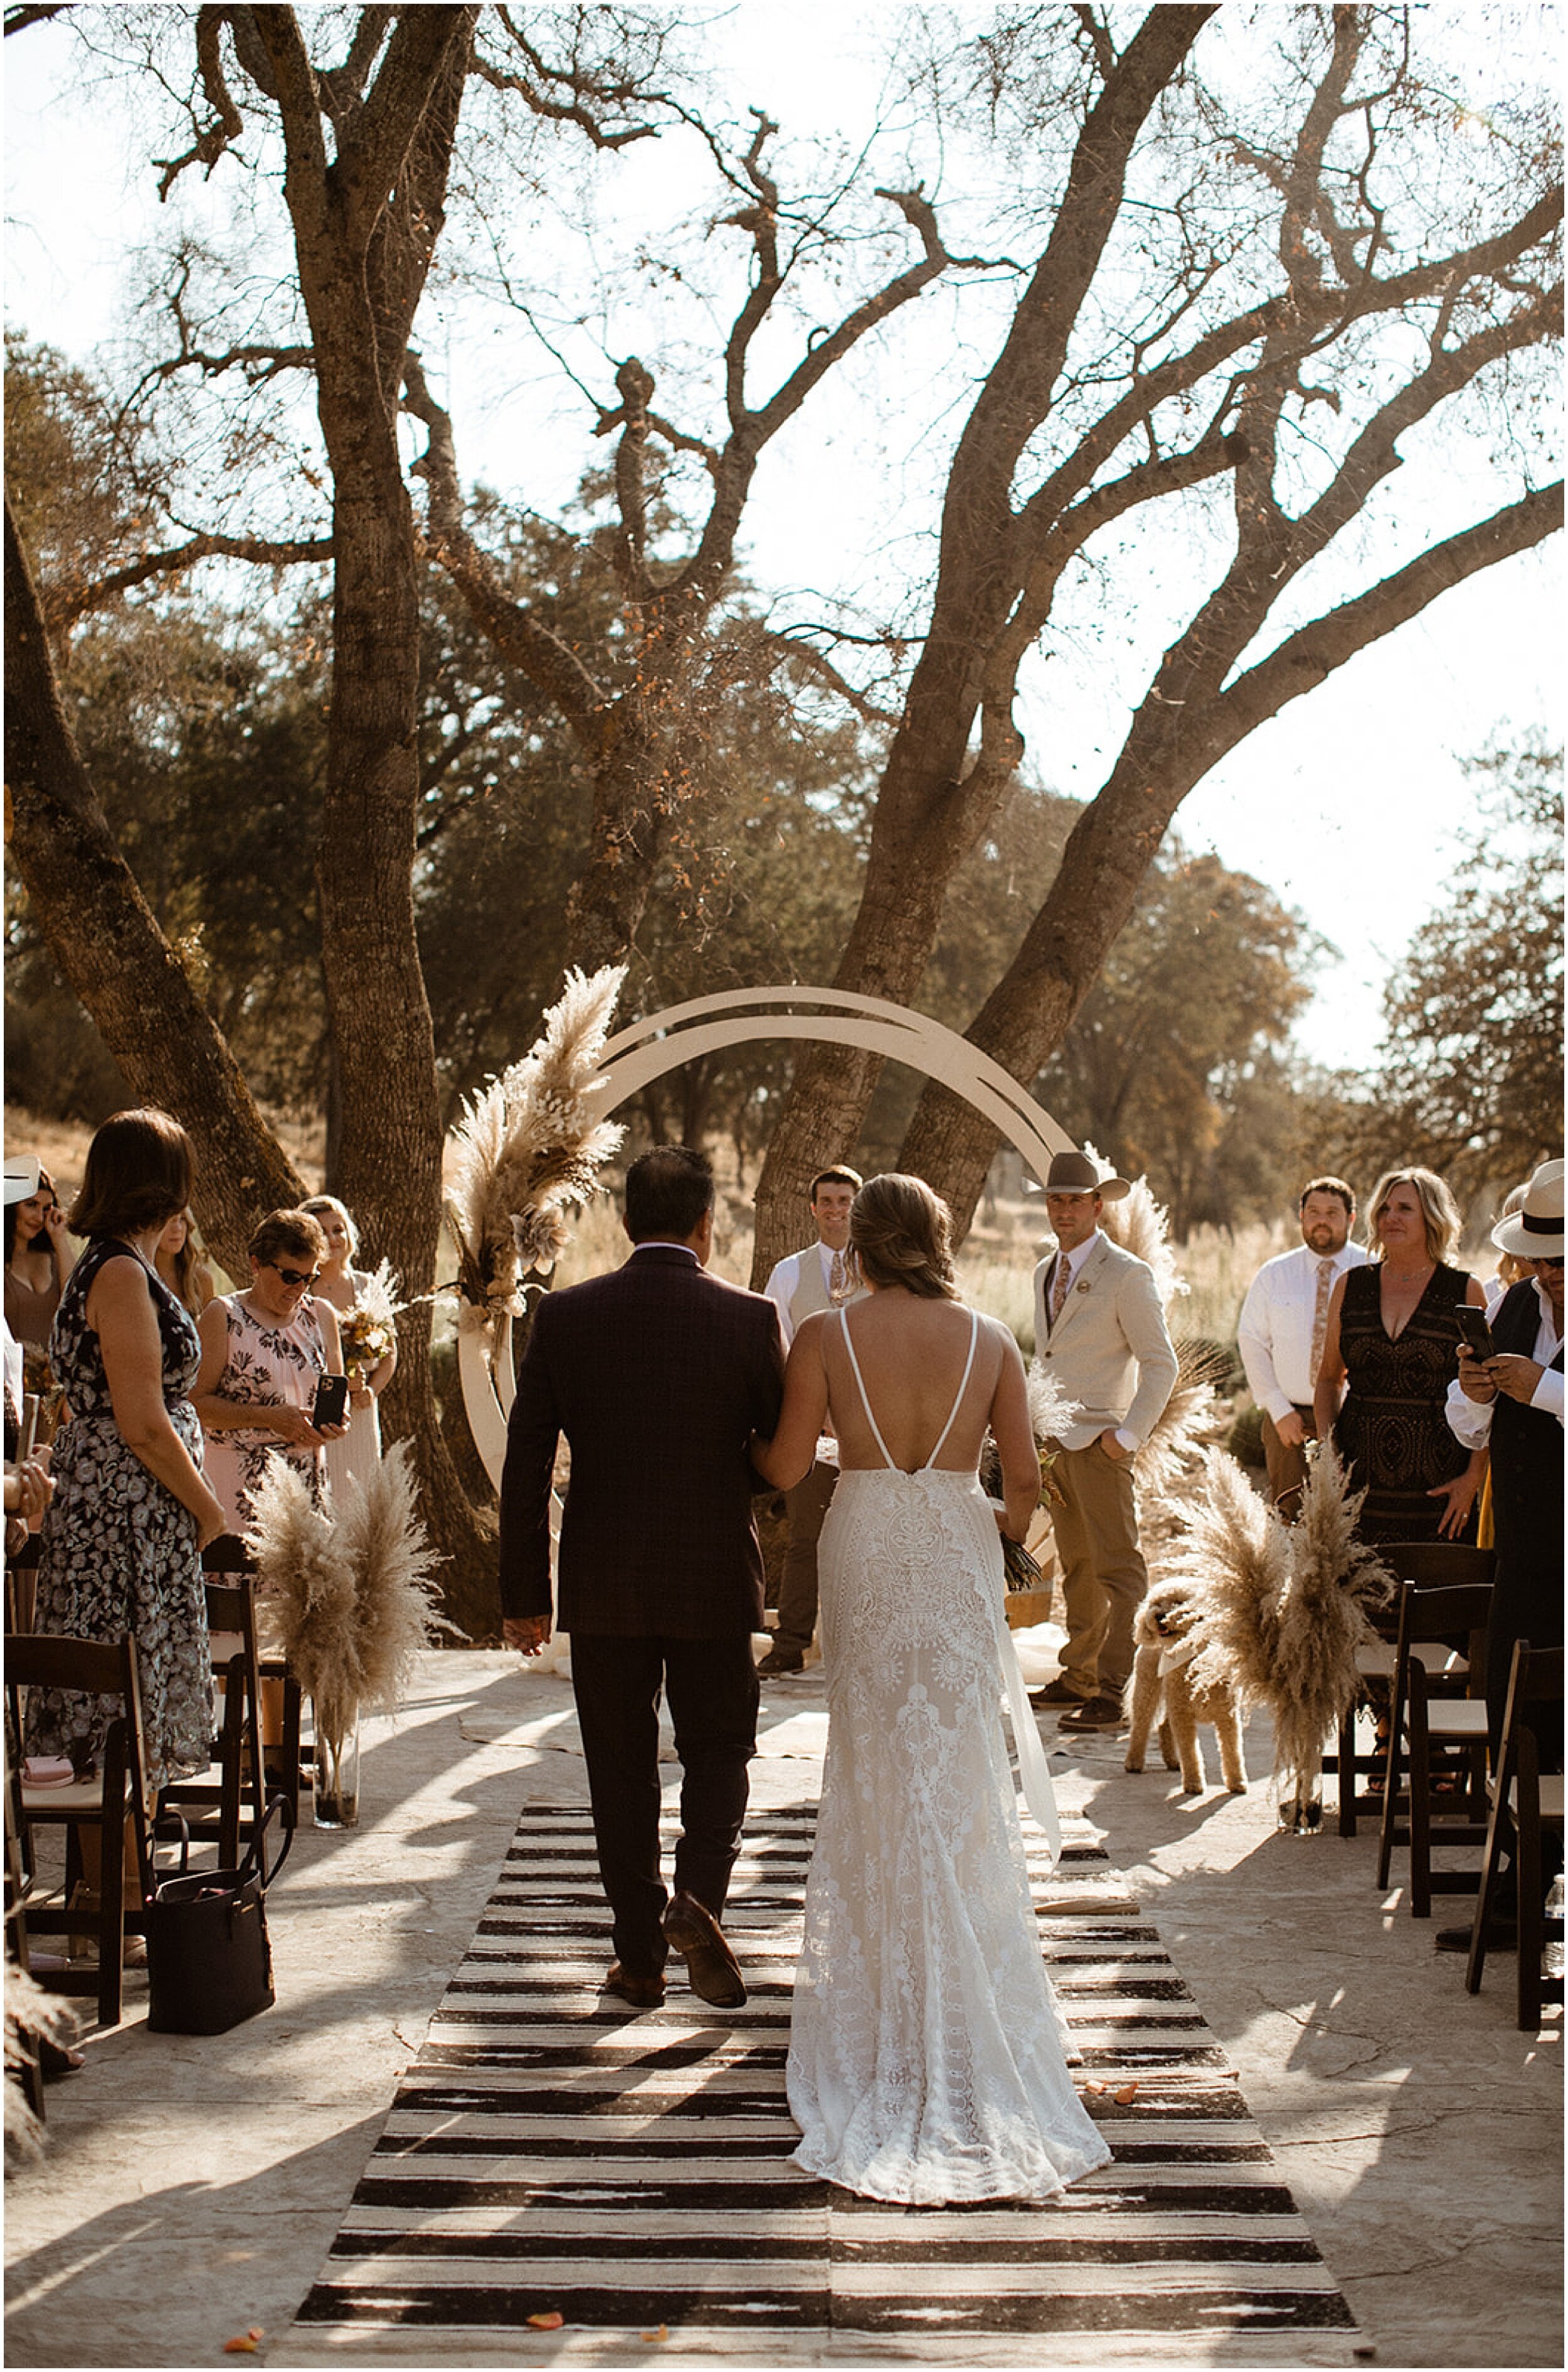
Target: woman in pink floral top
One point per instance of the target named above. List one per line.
(263, 1352)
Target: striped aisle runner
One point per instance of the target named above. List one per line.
(551, 2151)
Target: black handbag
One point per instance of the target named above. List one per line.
(209, 1960)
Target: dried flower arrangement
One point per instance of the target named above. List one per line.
(32, 2016)
(368, 1330)
(528, 1147)
(1281, 1610)
(351, 1592)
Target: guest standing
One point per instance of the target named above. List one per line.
(1393, 1346)
(1284, 1324)
(182, 1265)
(121, 1543)
(263, 1352)
(344, 1287)
(823, 1276)
(37, 1261)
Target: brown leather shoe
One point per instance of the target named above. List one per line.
(711, 1969)
(1095, 1712)
(1055, 1692)
(643, 1993)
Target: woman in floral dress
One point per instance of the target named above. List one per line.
(263, 1352)
(121, 1548)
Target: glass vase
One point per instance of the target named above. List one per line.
(336, 1792)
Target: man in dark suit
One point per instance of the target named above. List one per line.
(657, 1375)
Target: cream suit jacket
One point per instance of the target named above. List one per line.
(1109, 1351)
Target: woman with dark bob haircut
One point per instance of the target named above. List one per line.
(121, 1542)
(927, 2056)
(263, 1352)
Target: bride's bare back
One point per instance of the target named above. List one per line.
(911, 1355)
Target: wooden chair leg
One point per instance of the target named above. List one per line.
(1490, 1872)
(1420, 1810)
(1527, 1851)
(1347, 1774)
(230, 1754)
(111, 1889)
(1388, 1823)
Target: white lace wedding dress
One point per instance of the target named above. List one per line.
(928, 2057)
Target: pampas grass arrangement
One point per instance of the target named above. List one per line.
(1281, 1610)
(31, 2015)
(528, 1147)
(351, 1592)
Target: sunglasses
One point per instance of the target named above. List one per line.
(294, 1275)
(1548, 1260)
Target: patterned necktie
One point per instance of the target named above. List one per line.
(1320, 1319)
(838, 1279)
(1059, 1287)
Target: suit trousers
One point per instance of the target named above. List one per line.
(1286, 1461)
(807, 1504)
(713, 1695)
(1103, 1578)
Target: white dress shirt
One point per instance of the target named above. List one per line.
(783, 1284)
(1275, 1332)
(1470, 1421)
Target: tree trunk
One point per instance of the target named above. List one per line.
(104, 938)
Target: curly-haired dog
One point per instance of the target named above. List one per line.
(1160, 1692)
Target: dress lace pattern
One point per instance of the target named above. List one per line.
(928, 2057)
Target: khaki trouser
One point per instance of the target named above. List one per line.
(807, 1504)
(1286, 1462)
(1103, 1578)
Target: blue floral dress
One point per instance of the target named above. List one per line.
(118, 1553)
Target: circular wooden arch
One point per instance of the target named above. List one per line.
(646, 1050)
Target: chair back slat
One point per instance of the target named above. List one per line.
(1437, 1564)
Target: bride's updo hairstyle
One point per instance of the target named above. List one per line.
(901, 1234)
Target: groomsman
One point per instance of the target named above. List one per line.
(1284, 1321)
(1100, 1331)
(822, 1277)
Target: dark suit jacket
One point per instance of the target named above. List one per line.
(657, 1375)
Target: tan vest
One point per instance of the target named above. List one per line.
(810, 1296)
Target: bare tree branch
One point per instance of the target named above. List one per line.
(64, 604)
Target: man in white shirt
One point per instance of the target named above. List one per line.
(1284, 1321)
(1100, 1331)
(822, 1277)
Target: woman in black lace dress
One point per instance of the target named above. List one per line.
(122, 1543)
(1393, 1343)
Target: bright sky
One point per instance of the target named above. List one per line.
(1351, 805)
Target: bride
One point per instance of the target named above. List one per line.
(927, 2058)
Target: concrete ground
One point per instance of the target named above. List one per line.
(193, 2185)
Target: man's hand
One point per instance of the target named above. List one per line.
(1289, 1430)
(1475, 1377)
(1515, 1376)
(1112, 1448)
(527, 1632)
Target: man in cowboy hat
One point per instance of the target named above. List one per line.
(1514, 1402)
(1100, 1331)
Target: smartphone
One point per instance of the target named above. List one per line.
(1475, 1331)
(331, 1404)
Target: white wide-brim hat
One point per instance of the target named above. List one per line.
(1535, 1230)
(22, 1177)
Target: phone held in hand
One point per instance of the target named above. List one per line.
(1475, 1333)
(331, 1404)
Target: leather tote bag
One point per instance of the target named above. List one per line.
(209, 1959)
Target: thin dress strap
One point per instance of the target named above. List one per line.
(860, 1380)
(969, 1370)
(866, 1404)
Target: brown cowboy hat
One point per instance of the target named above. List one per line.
(1077, 1173)
(1535, 1230)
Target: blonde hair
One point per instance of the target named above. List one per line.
(1510, 1267)
(901, 1234)
(1438, 1210)
(316, 1203)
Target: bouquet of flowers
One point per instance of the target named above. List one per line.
(1021, 1571)
(368, 1330)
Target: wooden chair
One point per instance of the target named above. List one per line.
(106, 1801)
(228, 1559)
(1441, 1648)
(1432, 1564)
(223, 1808)
(21, 1584)
(1524, 1799)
